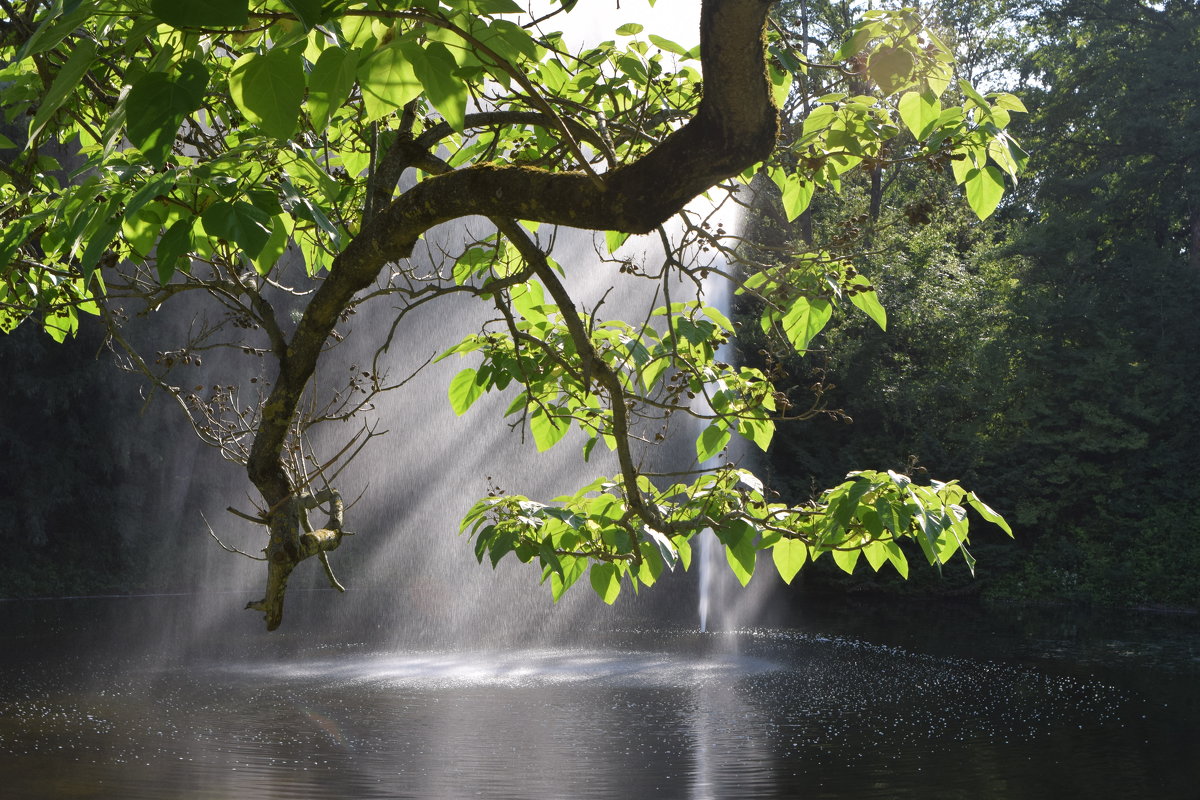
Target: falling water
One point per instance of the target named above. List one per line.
(411, 580)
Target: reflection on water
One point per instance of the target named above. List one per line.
(518, 669)
(665, 713)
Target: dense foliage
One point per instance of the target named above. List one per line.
(1048, 355)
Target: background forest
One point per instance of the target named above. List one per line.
(1048, 356)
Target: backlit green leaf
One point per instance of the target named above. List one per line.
(876, 554)
(1009, 101)
(797, 194)
(465, 389)
(868, 302)
(920, 111)
(606, 582)
(789, 556)
(173, 245)
(987, 513)
(614, 239)
(548, 429)
(897, 557)
(667, 45)
(984, 188)
(388, 82)
(846, 559)
(329, 83)
(434, 67)
(740, 552)
(275, 247)
(572, 569)
(805, 319)
(710, 442)
(268, 88)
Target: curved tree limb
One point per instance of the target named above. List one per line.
(735, 127)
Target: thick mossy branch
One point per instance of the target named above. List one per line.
(289, 546)
(735, 127)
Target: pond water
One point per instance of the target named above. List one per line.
(856, 699)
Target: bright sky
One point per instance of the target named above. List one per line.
(596, 20)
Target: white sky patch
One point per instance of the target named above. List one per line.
(594, 21)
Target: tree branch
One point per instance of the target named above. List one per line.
(735, 127)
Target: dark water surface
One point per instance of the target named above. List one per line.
(857, 700)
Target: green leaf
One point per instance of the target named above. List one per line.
(846, 559)
(268, 88)
(662, 543)
(202, 13)
(819, 119)
(797, 194)
(388, 82)
(548, 557)
(240, 223)
(652, 566)
(966, 88)
(920, 111)
(61, 324)
(868, 302)
(572, 569)
(157, 104)
(62, 87)
(173, 245)
(630, 29)
(614, 239)
(434, 67)
(465, 389)
(805, 319)
(548, 430)
(275, 247)
(876, 554)
(487, 6)
(667, 45)
(100, 238)
(897, 557)
(740, 552)
(53, 30)
(1010, 102)
(984, 188)
(789, 556)
(987, 513)
(759, 431)
(711, 441)
(329, 83)
(606, 581)
(938, 78)
(890, 68)
(310, 12)
(964, 161)
(501, 546)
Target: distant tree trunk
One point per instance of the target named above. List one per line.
(876, 192)
(806, 227)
